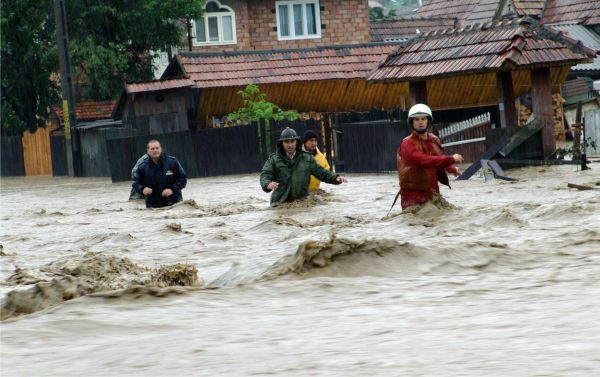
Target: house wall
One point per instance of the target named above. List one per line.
(342, 22)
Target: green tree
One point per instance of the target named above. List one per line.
(29, 56)
(111, 41)
(257, 107)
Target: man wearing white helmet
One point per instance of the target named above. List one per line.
(421, 162)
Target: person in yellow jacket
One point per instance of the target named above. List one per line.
(310, 141)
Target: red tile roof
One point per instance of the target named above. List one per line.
(153, 86)
(90, 110)
(485, 48)
(484, 11)
(405, 28)
(531, 8)
(223, 69)
(586, 12)
(447, 8)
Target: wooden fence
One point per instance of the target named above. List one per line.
(467, 137)
(37, 157)
(352, 142)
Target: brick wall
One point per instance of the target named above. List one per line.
(342, 22)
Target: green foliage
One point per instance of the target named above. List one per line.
(111, 42)
(29, 56)
(257, 107)
(574, 152)
(376, 13)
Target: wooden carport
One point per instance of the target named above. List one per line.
(485, 64)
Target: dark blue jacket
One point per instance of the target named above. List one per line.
(167, 173)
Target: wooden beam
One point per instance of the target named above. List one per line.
(542, 107)
(506, 101)
(418, 92)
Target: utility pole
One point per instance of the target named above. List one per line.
(188, 25)
(66, 83)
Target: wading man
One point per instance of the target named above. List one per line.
(287, 172)
(421, 162)
(309, 144)
(160, 178)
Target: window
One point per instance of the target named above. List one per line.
(216, 27)
(298, 19)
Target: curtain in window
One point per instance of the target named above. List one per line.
(298, 24)
(311, 24)
(200, 30)
(284, 25)
(213, 29)
(227, 28)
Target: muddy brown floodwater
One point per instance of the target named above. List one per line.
(505, 283)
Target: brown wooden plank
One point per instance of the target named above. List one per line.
(37, 157)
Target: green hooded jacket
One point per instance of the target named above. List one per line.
(293, 176)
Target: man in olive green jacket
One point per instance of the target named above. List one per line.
(288, 171)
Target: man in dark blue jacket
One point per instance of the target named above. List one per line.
(160, 178)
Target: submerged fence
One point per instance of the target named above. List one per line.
(352, 142)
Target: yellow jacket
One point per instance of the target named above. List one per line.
(321, 161)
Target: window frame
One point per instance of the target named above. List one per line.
(219, 16)
(290, 10)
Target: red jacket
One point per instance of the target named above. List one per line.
(421, 164)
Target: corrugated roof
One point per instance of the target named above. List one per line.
(210, 70)
(577, 87)
(91, 110)
(490, 47)
(586, 12)
(153, 86)
(404, 28)
(589, 39)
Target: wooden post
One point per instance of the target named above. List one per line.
(66, 83)
(506, 102)
(542, 107)
(418, 92)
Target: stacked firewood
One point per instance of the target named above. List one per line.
(524, 114)
(557, 107)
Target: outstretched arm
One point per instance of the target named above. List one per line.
(413, 155)
(325, 175)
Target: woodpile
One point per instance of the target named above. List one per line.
(557, 107)
(524, 114)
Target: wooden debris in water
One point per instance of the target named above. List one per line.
(580, 187)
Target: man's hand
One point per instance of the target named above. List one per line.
(166, 193)
(340, 179)
(272, 185)
(147, 191)
(457, 172)
(457, 158)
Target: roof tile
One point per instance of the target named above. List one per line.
(522, 42)
(90, 110)
(210, 70)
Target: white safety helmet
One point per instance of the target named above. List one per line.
(420, 110)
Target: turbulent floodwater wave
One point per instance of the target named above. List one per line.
(502, 279)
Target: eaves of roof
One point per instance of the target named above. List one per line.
(239, 68)
(509, 44)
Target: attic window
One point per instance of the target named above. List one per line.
(216, 26)
(298, 19)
